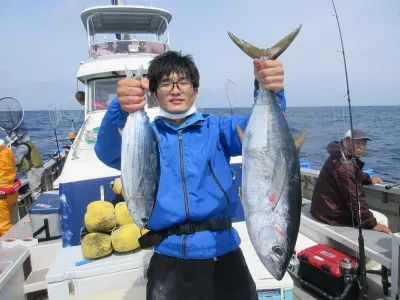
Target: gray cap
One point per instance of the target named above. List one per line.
(358, 135)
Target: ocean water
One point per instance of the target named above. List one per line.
(322, 124)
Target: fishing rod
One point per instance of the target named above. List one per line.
(54, 122)
(363, 274)
(228, 81)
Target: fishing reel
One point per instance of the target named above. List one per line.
(346, 269)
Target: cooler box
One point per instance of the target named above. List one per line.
(319, 265)
(117, 276)
(45, 217)
(305, 164)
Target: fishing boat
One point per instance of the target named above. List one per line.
(119, 37)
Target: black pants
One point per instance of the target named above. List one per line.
(226, 277)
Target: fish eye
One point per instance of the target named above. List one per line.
(279, 251)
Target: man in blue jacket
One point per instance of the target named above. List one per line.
(199, 257)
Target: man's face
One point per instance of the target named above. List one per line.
(360, 146)
(175, 93)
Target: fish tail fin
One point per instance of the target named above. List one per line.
(269, 53)
(240, 132)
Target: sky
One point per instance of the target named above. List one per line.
(44, 41)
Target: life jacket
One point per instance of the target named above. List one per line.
(7, 170)
(8, 176)
(32, 159)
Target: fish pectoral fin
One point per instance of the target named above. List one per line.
(277, 181)
(141, 187)
(300, 140)
(240, 133)
(270, 53)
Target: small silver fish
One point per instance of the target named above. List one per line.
(140, 164)
(271, 191)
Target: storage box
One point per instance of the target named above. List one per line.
(319, 265)
(118, 276)
(10, 243)
(28, 242)
(45, 217)
(305, 164)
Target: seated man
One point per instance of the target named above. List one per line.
(334, 198)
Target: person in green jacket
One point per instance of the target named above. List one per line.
(28, 160)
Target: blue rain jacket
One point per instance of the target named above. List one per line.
(195, 180)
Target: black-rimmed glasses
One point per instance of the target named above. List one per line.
(182, 84)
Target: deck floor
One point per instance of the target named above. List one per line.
(374, 285)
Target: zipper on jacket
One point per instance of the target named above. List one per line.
(183, 177)
(184, 191)
(211, 172)
(184, 245)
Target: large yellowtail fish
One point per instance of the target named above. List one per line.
(140, 164)
(271, 191)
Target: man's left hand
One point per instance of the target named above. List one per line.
(376, 180)
(269, 74)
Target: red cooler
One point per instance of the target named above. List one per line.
(319, 265)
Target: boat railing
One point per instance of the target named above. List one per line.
(85, 140)
(127, 47)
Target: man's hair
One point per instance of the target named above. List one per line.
(172, 62)
(80, 97)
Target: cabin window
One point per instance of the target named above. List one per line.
(101, 93)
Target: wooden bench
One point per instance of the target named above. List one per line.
(377, 245)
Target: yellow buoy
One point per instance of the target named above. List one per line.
(100, 216)
(122, 214)
(96, 245)
(116, 186)
(126, 238)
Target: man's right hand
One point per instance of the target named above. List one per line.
(376, 180)
(381, 228)
(131, 93)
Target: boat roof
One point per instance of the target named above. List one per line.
(119, 18)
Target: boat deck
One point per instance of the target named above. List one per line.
(375, 291)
